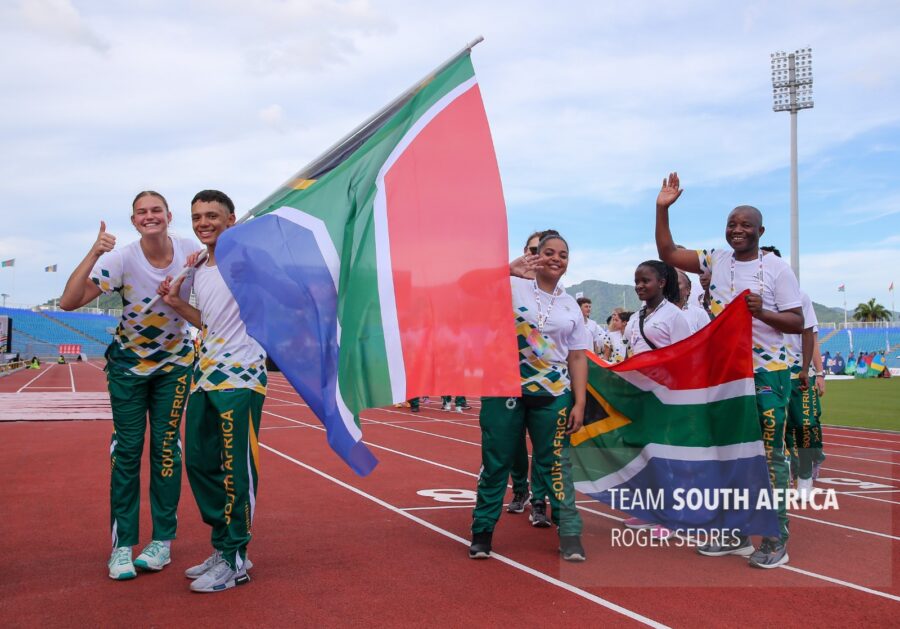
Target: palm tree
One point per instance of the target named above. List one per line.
(871, 311)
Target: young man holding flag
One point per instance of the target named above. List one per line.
(224, 409)
(774, 302)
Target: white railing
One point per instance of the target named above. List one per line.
(868, 324)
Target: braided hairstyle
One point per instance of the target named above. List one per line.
(669, 275)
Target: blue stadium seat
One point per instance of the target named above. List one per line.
(35, 333)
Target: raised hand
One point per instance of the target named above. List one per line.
(669, 192)
(525, 266)
(105, 242)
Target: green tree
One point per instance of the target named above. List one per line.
(871, 311)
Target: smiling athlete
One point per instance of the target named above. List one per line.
(774, 302)
(225, 407)
(148, 372)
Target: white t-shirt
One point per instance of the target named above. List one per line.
(793, 343)
(664, 326)
(146, 340)
(543, 354)
(618, 344)
(767, 274)
(597, 334)
(229, 357)
(696, 316)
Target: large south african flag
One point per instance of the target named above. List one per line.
(678, 419)
(380, 272)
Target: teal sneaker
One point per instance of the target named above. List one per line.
(155, 556)
(120, 566)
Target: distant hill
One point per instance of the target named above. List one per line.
(605, 296)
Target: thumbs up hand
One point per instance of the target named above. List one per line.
(105, 242)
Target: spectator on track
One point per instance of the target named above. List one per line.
(148, 367)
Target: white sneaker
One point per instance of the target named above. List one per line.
(459, 409)
(195, 572)
(155, 556)
(445, 406)
(804, 488)
(220, 577)
(120, 566)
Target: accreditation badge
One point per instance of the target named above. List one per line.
(537, 342)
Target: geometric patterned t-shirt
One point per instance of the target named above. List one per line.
(543, 354)
(768, 276)
(229, 357)
(146, 340)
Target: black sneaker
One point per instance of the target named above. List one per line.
(743, 547)
(480, 548)
(770, 554)
(520, 498)
(571, 549)
(538, 516)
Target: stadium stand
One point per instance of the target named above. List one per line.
(865, 340)
(40, 334)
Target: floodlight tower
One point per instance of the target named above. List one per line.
(792, 84)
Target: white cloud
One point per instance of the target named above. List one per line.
(589, 106)
(59, 20)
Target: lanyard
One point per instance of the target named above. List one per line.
(759, 274)
(541, 317)
(646, 317)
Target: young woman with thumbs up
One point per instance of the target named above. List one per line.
(148, 370)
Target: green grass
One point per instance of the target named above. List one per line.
(869, 403)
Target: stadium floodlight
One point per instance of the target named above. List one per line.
(792, 89)
(4, 296)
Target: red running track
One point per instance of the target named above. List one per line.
(333, 549)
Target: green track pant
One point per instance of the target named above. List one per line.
(161, 397)
(503, 421)
(773, 390)
(804, 432)
(222, 460)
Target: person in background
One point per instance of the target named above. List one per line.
(696, 316)
(616, 348)
(598, 334)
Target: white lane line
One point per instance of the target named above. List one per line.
(411, 456)
(868, 491)
(43, 373)
(466, 506)
(502, 558)
(864, 430)
(893, 502)
(844, 526)
(845, 445)
(857, 458)
(838, 437)
(95, 366)
(847, 584)
(71, 378)
(834, 469)
(814, 575)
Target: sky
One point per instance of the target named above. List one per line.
(590, 105)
